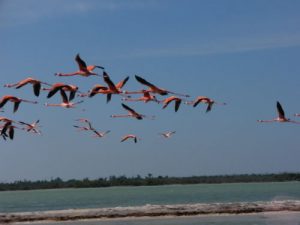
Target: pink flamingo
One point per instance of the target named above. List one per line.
(130, 136)
(131, 113)
(281, 116)
(170, 99)
(84, 70)
(35, 83)
(210, 102)
(62, 86)
(65, 102)
(100, 134)
(15, 100)
(167, 134)
(153, 88)
(31, 127)
(111, 89)
(147, 97)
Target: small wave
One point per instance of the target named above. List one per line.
(152, 211)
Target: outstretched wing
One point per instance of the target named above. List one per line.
(134, 113)
(152, 86)
(144, 82)
(177, 104)
(128, 108)
(280, 110)
(109, 82)
(122, 83)
(64, 96)
(80, 62)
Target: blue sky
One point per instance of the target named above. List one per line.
(244, 53)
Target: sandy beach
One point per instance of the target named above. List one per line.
(154, 211)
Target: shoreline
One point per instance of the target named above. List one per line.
(277, 214)
(153, 211)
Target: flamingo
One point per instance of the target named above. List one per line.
(281, 116)
(84, 70)
(147, 97)
(111, 89)
(100, 134)
(153, 88)
(65, 103)
(167, 134)
(31, 127)
(128, 136)
(131, 113)
(62, 86)
(168, 100)
(15, 100)
(35, 83)
(10, 128)
(210, 102)
(82, 128)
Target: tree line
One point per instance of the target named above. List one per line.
(146, 181)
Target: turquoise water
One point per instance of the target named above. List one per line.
(41, 200)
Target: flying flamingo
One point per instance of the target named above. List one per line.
(65, 103)
(10, 128)
(31, 127)
(111, 89)
(153, 88)
(210, 102)
(100, 134)
(168, 100)
(281, 116)
(147, 97)
(167, 134)
(131, 113)
(128, 136)
(15, 100)
(84, 70)
(82, 128)
(62, 86)
(35, 83)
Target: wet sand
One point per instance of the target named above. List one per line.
(152, 211)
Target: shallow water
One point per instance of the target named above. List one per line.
(41, 200)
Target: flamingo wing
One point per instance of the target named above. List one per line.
(16, 106)
(122, 83)
(177, 104)
(110, 84)
(53, 91)
(37, 88)
(108, 98)
(124, 138)
(280, 110)
(72, 95)
(11, 132)
(81, 63)
(64, 96)
(134, 113)
(209, 106)
(3, 101)
(23, 83)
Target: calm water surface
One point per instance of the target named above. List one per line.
(41, 200)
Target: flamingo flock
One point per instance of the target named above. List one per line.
(68, 92)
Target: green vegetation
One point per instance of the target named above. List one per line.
(148, 180)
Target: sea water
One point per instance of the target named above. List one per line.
(59, 199)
